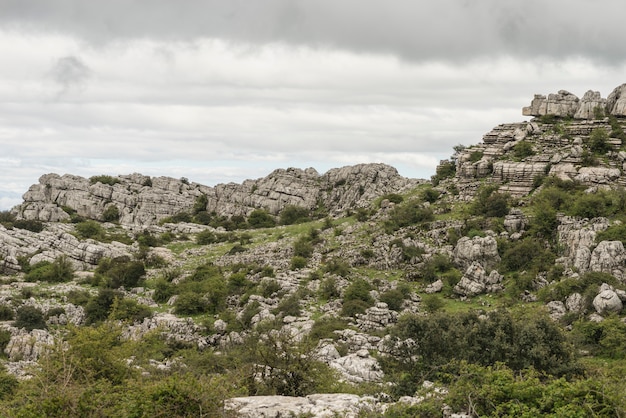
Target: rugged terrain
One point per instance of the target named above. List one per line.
(494, 288)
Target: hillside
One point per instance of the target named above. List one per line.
(496, 288)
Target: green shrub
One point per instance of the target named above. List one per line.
(303, 248)
(598, 141)
(523, 149)
(337, 266)
(99, 306)
(111, 214)
(298, 262)
(406, 214)
(325, 327)
(353, 307)
(6, 313)
(432, 303)
(328, 289)
(30, 318)
(430, 195)
(260, 218)
(443, 171)
(526, 254)
(475, 156)
(129, 310)
(28, 224)
(393, 298)
(61, 270)
(190, 303)
(393, 198)
(358, 289)
(89, 229)
(293, 215)
(104, 179)
(615, 232)
(490, 203)
(121, 271)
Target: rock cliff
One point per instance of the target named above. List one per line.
(142, 200)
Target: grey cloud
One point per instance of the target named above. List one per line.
(441, 30)
(70, 73)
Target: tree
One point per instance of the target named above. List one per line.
(260, 218)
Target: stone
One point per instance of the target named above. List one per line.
(608, 257)
(358, 367)
(607, 300)
(556, 309)
(561, 104)
(616, 102)
(575, 303)
(590, 101)
(434, 287)
(477, 249)
(376, 317)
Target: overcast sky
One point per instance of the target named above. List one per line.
(225, 90)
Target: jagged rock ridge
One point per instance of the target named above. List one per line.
(142, 200)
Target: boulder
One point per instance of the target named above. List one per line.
(561, 104)
(575, 303)
(607, 300)
(608, 257)
(358, 367)
(590, 101)
(616, 102)
(477, 249)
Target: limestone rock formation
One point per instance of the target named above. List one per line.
(358, 367)
(589, 105)
(477, 249)
(607, 300)
(476, 281)
(141, 200)
(616, 102)
(562, 104)
(318, 405)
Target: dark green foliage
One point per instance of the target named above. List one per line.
(337, 266)
(444, 170)
(89, 229)
(269, 287)
(353, 307)
(61, 270)
(303, 248)
(129, 310)
(99, 306)
(6, 313)
(5, 338)
(260, 218)
(111, 214)
(200, 204)
(294, 215)
(442, 339)
(434, 267)
(475, 156)
(298, 262)
(30, 318)
(207, 237)
(324, 327)
(237, 248)
(587, 285)
(290, 305)
(598, 141)
(616, 129)
(7, 219)
(523, 149)
(328, 289)
(190, 303)
(163, 290)
(393, 298)
(605, 339)
(591, 205)
(359, 289)
(500, 391)
(490, 203)
(406, 214)
(104, 179)
(430, 195)
(203, 218)
(432, 303)
(544, 221)
(28, 224)
(78, 297)
(121, 271)
(8, 383)
(615, 232)
(526, 254)
(393, 198)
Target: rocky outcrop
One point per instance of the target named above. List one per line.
(566, 104)
(476, 281)
(142, 200)
(358, 367)
(607, 300)
(319, 405)
(55, 240)
(483, 251)
(28, 345)
(562, 104)
(616, 102)
(376, 317)
(577, 238)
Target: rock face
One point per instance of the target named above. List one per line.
(607, 300)
(566, 104)
(142, 200)
(616, 102)
(319, 405)
(483, 251)
(562, 104)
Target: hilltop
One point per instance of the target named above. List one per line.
(495, 288)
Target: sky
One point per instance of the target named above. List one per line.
(220, 91)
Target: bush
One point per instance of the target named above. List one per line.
(523, 149)
(89, 229)
(99, 306)
(129, 310)
(526, 254)
(432, 303)
(6, 313)
(104, 179)
(430, 195)
(61, 270)
(393, 298)
(298, 262)
(190, 303)
(328, 289)
(111, 214)
(353, 307)
(490, 203)
(260, 218)
(293, 215)
(303, 248)
(337, 266)
(28, 224)
(598, 141)
(443, 171)
(409, 213)
(359, 289)
(30, 318)
(121, 271)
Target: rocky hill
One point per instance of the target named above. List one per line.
(495, 289)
